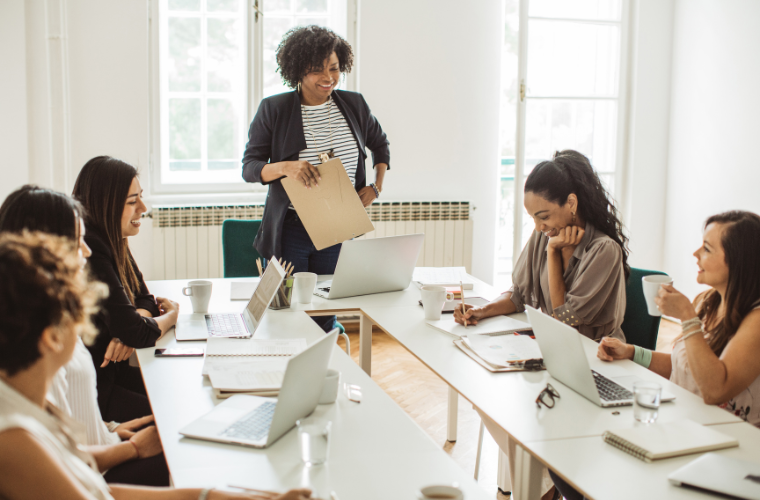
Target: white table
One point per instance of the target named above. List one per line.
(377, 451)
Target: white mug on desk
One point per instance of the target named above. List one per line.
(651, 285)
(303, 287)
(433, 298)
(199, 292)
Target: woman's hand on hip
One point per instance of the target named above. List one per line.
(611, 349)
(673, 303)
(367, 195)
(302, 171)
(567, 237)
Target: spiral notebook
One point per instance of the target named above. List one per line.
(225, 351)
(658, 441)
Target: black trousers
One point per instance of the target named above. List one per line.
(128, 400)
(144, 471)
(567, 491)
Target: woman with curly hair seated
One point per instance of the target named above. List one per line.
(294, 131)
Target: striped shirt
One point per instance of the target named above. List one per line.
(325, 128)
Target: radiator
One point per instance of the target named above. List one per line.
(187, 241)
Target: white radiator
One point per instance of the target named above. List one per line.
(187, 241)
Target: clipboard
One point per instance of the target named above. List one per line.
(331, 212)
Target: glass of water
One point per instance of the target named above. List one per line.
(646, 401)
(314, 437)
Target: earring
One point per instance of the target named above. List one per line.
(298, 87)
(573, 213)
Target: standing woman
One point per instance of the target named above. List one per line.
(111, 195)
(294, 131)
(575, 264)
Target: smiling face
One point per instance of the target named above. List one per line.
(549, 217)
(133, 210)
(319, 83)
(711, 259)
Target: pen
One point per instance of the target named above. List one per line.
(461, 297)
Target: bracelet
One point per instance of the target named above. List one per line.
(692, 333)
(204, 493)
(642, 356)
(137, 450)
(374, 188)
(685, 325)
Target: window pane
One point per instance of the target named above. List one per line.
(308, 21)
(608, 10)
(185, 166)
(274, 29)
(184, 129)
(192, 5)
(589, 127)
(279, 6)
(184, 64)
(223, 165)
(572, 59)
(311, 6)
(221, 130)
(222, 56)
(222, 5)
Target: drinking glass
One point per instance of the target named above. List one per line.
(314, 437)
(646, 401)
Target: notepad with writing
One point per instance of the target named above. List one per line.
(667, 440)
(222, 351)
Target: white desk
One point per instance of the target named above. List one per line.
(377, 451)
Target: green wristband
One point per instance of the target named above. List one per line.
(642, 356)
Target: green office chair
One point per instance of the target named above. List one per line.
(239, 256)
(639, 327)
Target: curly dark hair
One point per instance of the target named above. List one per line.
(305, 48)
(571, 172)
(41, 285)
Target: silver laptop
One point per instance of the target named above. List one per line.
(716, 473)
(565, 359)
(259, 422)
(239, 325)
(374, 265)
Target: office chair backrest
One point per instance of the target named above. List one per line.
(238, 253)
(639, 327)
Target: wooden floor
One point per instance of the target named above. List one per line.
(424, 397)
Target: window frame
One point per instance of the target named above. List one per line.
(254, 95)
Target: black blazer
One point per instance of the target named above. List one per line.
(276, 135)
(118, 317)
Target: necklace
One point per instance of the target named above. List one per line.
(323, 157)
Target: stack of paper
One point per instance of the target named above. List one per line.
(494, 324)
(503, 351)
(442, 276)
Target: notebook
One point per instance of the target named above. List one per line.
(494, 324)
(674, 439)
(262, 377)
(442, 276)
(501, 351)
(226, 351)
(720, 474)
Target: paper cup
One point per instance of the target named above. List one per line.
(303, 287)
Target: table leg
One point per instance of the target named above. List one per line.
(365, 344)
(503, 481)
(451, 421)
(528, 473)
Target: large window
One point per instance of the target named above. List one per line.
(217, 61)
(562, 88)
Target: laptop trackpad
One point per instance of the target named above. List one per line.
(226, 414)
(627, 381)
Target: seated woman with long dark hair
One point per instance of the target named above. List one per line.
(111, 195)
(131, 451)
(46, 303)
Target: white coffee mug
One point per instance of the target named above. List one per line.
(440, 492)
(330, 389)
(651, 285)
(433, 298)
(200, 295)
(303, 287)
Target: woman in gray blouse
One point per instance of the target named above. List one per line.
(574, 266)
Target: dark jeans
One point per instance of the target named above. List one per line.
(298, 249)
(567, 491)
(128, 400)
(143, 471)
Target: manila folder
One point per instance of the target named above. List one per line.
(331, 212)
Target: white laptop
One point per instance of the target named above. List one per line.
(374, 265)
(565, 359)
(259, 422)
(716, 473)
(239, 325)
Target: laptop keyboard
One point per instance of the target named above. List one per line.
(254, 426)
(225, 325)
(609, 390)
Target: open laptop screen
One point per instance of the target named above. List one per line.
(265, 292)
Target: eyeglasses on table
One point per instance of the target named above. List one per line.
(547, 397)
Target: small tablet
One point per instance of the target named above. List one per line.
(450, 305)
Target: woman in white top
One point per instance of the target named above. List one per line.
(129, 452)
(46, 303)
(718, 354)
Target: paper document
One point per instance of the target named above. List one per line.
(501, 350)
(259, 375)
(242, 290)
(442, 276)
(494, 324)
(225, 351)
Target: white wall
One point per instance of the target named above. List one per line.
(14, 169)
(714, 128)
(430, 72)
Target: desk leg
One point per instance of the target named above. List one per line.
(528, 474)
(365, 344)
(451, 420)
(503, 480)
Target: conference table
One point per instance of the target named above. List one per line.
(566, 438)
